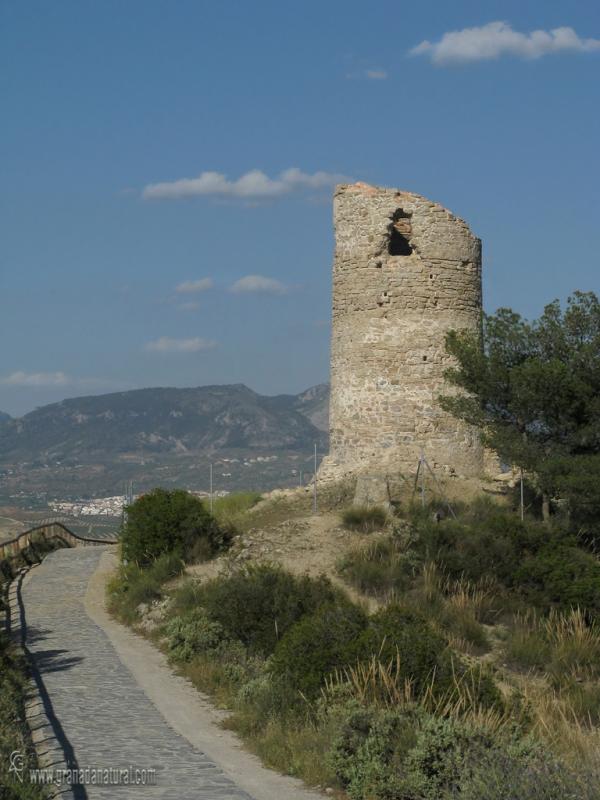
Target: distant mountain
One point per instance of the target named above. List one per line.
(314, 404)
(166, 421)
(4, 417)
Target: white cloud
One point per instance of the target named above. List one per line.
(498, 39)
(33, 380)
(253, 184)
(167, 345)
(258, 283)
(21, 378)
(191, 287)
(376, 74)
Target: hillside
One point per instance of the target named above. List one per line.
(91, 444)
(4, 417)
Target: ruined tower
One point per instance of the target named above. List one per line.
(405, 272)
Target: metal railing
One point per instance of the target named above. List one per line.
(50, 530)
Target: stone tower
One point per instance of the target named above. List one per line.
(405, 272)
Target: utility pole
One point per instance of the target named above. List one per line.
(522, 497)
(127, 500)
(315, 483)
(211, 487)
(422, 470)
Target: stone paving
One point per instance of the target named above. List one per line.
(106, 717)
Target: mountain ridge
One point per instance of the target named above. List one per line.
(167, 420)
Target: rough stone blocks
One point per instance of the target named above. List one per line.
(406, 271)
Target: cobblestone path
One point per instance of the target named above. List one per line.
(105, 716)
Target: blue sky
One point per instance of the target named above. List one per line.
(113, 275)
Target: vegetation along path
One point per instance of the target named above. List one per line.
(116, 702)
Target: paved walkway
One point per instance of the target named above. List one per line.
(107, 718)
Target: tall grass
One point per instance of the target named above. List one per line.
(185, 596)
(565, 645)
(376, 683)
(364, 519)
(555, 720)
(526, 645)
(548, 715)
(14, 732)
(294, 746)
(574, 643)
(479, 598)
(458, 606)
(379, 568)
(229, 509)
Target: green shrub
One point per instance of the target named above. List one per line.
(259, 603)
(266, 697)
(237, 664)
(540, 562)
(133, 585)
(364, 518)
(318, 644)
(185, 597)
(473, 550)
(498, 775)
(170, 521)
(192, 633)
(221, 669)
(368, 749)
(440, 758)
(405, 639)
(409, 754)
(402, 754)
(577, 482)
(561, 575)
(408, 649)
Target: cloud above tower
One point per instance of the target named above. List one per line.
(254, 184)
(497, 39)
(258, 284)
(194, 286)
(165, 344)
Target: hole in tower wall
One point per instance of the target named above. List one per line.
(399, 234)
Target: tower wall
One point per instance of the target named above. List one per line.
(405, 272)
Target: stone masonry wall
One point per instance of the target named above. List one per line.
(405, 272)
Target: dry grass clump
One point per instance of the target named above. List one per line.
(376, 683)
(380, 568)
(365, 519)
(550, 716)
(460, 607)
(565, 645)
(554, 719)
(574, 644)
(478, 599)
(526, 645)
